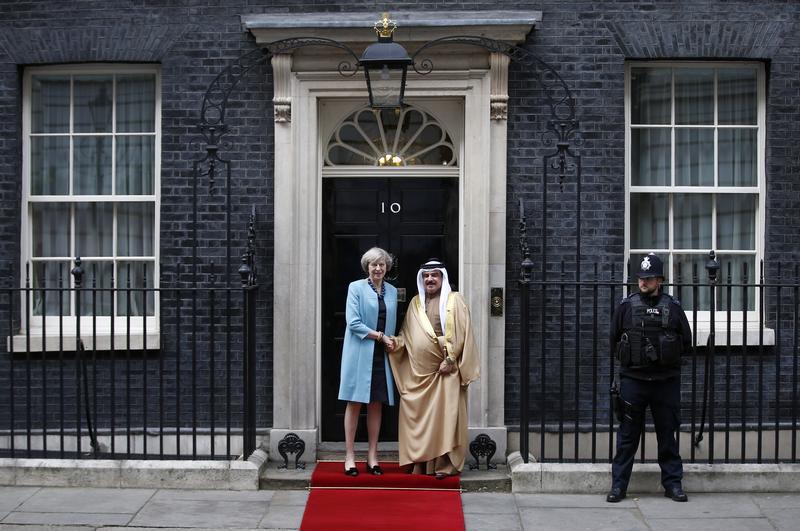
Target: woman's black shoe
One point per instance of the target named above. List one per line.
(375, 470)
(352, 471)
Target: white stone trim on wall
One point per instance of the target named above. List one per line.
(480, 80)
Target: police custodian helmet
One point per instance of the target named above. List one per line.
(651, 266)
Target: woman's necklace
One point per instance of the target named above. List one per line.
(383, 288)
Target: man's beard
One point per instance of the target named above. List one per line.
(649, 291)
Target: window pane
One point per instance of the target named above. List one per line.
(650, 95)
(738, 153)
(93, 104)
(650, 157)
(50, 224)
(135, 229)
(692, 221)
(737, 96)
(94, 225)
(736, 269)
(50, 165)
(50, 104)
(135, 160)
(96, 275)
(384, 86)
(649, 221)
(92, 172)
(736, 221)
(690, 269)
(136, 95)
(694, 96)
(51, 275)
(340, 156)
(135, 273)
(694, 157)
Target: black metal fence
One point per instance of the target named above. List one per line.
(739, 382)
(129, 371)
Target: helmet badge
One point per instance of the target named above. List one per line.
(645, 265)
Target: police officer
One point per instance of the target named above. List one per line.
(651, 333)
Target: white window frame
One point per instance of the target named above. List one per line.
(50, 326)
(703, 317)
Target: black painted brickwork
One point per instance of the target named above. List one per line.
(586, 42)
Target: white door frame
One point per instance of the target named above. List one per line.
(300, 81)
(297, 297)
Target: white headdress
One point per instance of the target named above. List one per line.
(434, 264)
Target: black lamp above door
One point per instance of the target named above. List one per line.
(385, 64)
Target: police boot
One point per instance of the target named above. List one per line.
(676, 493)
(615, 495)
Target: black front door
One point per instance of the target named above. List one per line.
(413, 219)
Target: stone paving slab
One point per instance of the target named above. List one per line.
(489, 503)
(558, 519)
(78, 518)
(12, 497)
(163, 529)
(776, 500)
(784, 519)
(15, 527)
(571, 500)
(214, 495)
(699, 506)
(492, 522)
(200, 513)
(710, 524)
(290, 497)
(282, 517)
(86, 500)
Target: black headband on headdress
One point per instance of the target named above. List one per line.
(433, 263)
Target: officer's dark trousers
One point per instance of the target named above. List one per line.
(663, 397)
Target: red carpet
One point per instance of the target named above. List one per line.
(393, 501)
(330, 474)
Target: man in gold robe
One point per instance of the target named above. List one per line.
(435, 359)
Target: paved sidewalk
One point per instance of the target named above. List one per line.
(28, 508)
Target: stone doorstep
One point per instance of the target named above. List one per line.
(166, 474)
(580, 478)
(482, 480)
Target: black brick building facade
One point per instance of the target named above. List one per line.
(587, 43)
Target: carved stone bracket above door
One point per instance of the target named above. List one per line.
(498, 67)
(282, 99)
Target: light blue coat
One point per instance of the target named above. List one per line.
(361, 316)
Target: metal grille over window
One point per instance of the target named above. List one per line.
(390, 137)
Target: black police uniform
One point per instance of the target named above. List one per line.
(651, 333)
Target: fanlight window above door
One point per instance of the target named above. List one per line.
(390, 137)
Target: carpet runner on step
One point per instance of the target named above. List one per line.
(394, 501)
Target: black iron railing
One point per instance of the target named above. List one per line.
(130, 371)
(739, 382)
(182, 388)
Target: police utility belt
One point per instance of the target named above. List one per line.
(650, 342)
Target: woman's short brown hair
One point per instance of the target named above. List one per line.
(376, 254)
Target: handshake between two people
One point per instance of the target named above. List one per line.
(392, 343)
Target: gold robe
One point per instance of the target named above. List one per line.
(433, 407)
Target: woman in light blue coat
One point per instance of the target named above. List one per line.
(366, 378)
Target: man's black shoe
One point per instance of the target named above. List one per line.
(677, 494)
(615, 495)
